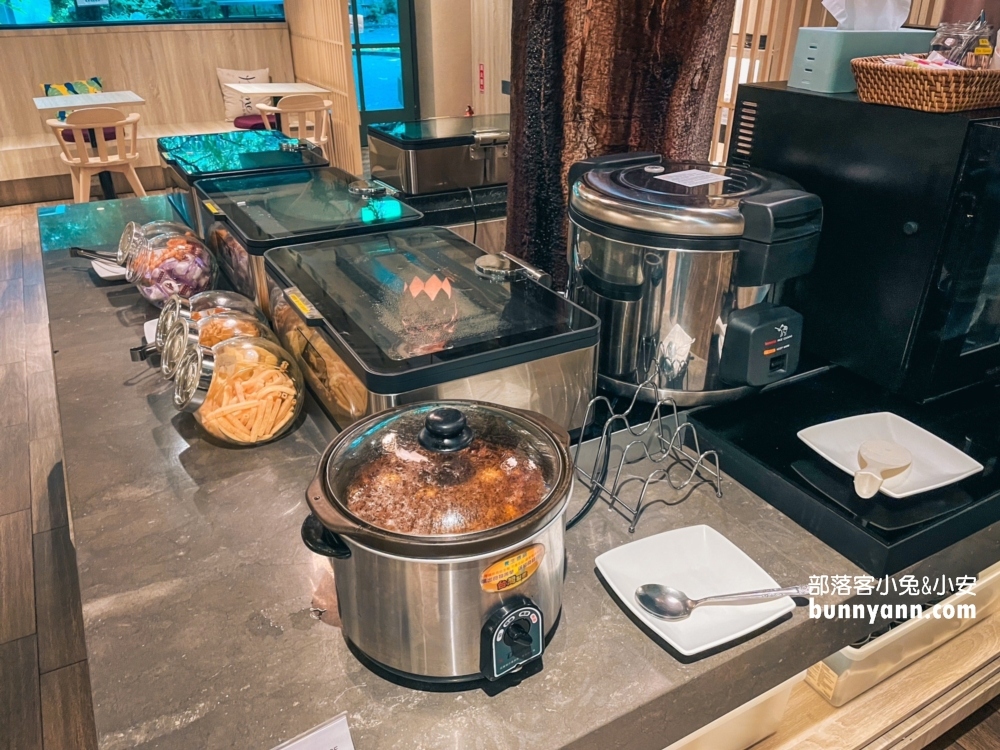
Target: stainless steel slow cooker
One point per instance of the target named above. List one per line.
(680, 261)
(445, 525)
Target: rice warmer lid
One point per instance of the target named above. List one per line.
(657, 200)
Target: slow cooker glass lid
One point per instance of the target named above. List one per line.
(447, 468)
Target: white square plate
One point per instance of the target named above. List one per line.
(108, 271)
(699, 561)
(935, 463)
(149, 330)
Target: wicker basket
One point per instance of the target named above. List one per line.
(925, 89)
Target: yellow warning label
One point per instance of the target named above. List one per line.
(304, 307)
(513, 570)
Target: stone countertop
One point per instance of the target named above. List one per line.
(198, 594)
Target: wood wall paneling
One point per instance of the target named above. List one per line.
(491, 21)
(917, 703)
(490, 235)
(760, 49)
(762, 44)
(444, 56)
(172, 67)
(58, 187)
(321, 53)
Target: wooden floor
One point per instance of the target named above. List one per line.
(45, 699)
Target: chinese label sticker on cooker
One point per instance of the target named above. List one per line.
(692, 177)
(513, 570)
(331, 735)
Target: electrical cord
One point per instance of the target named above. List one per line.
(475, 215)
(595, 492)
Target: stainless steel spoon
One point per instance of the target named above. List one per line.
(670, 604)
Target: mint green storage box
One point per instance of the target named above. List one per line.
(822, 60)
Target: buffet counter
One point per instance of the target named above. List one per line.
(209, 624)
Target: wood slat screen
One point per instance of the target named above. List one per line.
(763, 42)
(490, 50)
(321, 53)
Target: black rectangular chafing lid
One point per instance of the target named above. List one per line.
(407, 309)
(236, 153)
(303, 206)
(441, 132)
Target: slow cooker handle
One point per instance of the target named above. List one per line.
(327, 512)
(323, 541)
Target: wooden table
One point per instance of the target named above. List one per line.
(275, 89)
(85, 101)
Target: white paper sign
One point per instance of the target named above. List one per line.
(331, 735)
(692, 177)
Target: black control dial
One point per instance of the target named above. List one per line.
(513, 635)
(518, 639)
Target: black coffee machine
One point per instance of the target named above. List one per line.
(903, 301)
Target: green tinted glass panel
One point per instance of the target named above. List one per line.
(238, 151)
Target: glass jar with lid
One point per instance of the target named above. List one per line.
(207, 332)
(200, 306)
(244, 391)
(172, 264)
(215, 301)
(135, 235)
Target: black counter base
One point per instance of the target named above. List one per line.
(758, 447)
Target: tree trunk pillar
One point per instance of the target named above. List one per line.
(594, 77)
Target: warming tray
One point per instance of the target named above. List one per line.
(440, 154)
(246, 216)
(405, 316)
(189, 158)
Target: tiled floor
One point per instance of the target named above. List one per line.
(45, 699)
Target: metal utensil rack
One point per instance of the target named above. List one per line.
(661, 440)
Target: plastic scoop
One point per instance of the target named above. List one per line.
(880, 460)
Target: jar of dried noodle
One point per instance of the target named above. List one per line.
(244, 391)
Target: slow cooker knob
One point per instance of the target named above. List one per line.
(445, 431)
(518, 638)
(512, 636)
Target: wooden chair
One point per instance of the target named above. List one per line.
(302, 116)
(100, 139)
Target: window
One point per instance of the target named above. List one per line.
(20, 13)
(384, 68)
